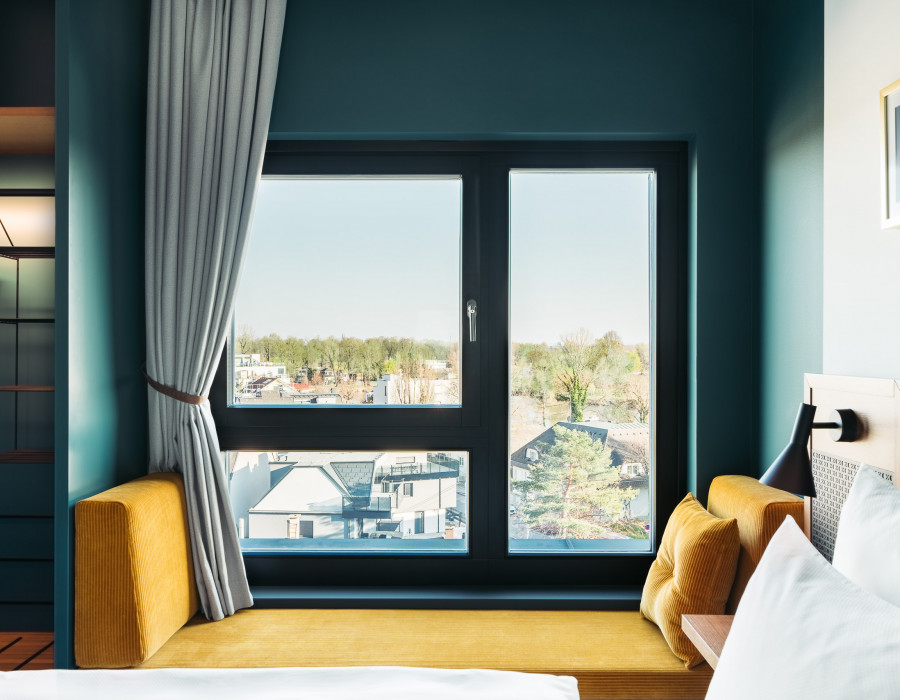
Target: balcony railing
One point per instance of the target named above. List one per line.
(366, 507)
(443, 469)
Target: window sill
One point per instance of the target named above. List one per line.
(468, 598)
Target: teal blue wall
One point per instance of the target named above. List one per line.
(470, 69)
(28, 53)
(570, 69)
(101, 413)
(790, 113)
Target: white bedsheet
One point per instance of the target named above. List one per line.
(357, 683)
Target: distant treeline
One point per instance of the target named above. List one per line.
(370, 357)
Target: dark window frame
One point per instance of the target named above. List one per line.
(480, 428)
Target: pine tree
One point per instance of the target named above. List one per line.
(572, 487)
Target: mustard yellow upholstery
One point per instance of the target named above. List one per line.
(134, 584)
(759, 510)
(692, 573)
(135, 594)
(613, 654)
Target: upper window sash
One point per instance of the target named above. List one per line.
(272, 424)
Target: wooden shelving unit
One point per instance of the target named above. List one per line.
(27, 351)
(20, 388)
(26, 457)
(23, 131)
(27, 130)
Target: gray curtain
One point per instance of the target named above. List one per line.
(212, 69)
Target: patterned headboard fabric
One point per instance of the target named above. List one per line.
(877, 403)
(833, 477)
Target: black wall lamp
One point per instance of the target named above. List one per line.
(792, 470)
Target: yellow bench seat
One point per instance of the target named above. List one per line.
(612, 654)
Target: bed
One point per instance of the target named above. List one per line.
(295, 683)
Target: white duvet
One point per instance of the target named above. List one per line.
(359, 683)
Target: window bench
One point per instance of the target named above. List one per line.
(136, 604)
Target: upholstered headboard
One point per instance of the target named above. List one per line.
(877, 404)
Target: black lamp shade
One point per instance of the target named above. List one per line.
(792, 471)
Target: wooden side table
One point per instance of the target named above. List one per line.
(708, 633)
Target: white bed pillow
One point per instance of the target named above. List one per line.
(867, 546)
(803, 630)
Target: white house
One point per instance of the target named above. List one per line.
(345, 495)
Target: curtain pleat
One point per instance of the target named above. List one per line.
(211, 79)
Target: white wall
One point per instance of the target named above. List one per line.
(274, 525)
(428, 494)
(861, 332)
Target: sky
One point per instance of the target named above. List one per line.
(579, 255)
(372, 257)
(362, 257)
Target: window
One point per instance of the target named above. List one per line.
(453, 361)
(349, 502)
(580, 358)
(370, 287)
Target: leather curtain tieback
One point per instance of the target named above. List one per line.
(182, 396)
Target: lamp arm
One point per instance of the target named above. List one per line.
(844, 424)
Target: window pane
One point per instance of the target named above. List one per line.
(341, 502)
(350, 293)
(580, 359)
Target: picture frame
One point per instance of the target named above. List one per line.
(890, 156)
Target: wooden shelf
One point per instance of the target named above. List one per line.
(27, 457)
(27, 320)
(27, 130)
(26, 387)
(32, 251)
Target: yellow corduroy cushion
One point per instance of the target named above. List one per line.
(613, 654)
(692, 574)
(760, 510)
(134, 587)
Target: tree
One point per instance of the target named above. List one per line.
(330, 351)
(614, 366)
(372, 359)
(573, 487)
(348, 392)
(637, 396)
(577, 365)
(577, 390)
(293, 354)
(270, 347)
(244, 340)
(350, 354)
(643, 351)
(535, 373)
(414, 389)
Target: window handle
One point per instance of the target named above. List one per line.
(471, 312)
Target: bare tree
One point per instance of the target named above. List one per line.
(348, 392)
(637, 395)
(244, 340)
(415, 390)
